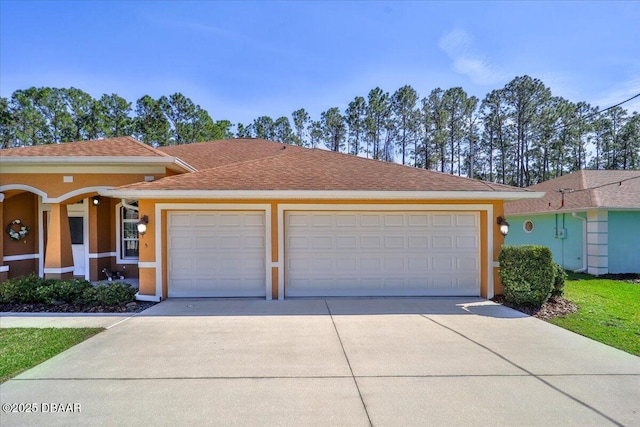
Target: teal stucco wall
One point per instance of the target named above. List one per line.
(566, 251)
(624, 242)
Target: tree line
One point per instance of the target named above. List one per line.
(37, 116)
(518, 135)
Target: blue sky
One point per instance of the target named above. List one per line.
(240, 60)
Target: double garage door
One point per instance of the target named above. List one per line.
(327, 254)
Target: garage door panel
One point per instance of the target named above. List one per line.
(382, 253)
(394, 242)
(466, 264)
(418, 242)
(391, 220)
(466, 220)
(441, 220)
(216, 254)
(178, 220)
(346, 220)
(466, 242)
(418, 220)
(346, 242)
(346, 264)
(180, 242)
(370, 220)
(322, 242)
(370, 242)
(322, 221)
(442, 242)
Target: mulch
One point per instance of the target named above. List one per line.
(132, 307)
(555, 307)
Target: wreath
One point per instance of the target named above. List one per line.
(20, 233)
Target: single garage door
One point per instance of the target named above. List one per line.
(382, 254)
(216, 254)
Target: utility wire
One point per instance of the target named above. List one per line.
(595, 113)
(619, 182)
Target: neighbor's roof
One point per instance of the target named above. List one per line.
(585, 189)
(299, 169)
(207, 155)
(110, 150)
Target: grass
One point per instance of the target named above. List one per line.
(608, 311)
(24, 348)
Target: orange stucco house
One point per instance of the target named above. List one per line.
(247, 218)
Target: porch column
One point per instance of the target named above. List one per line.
(4, 269)
(58, 260)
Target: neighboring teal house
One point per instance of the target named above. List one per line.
(589, 219)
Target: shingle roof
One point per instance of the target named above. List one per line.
(206, 155)
(586, 189)
(295, 168)
(111, 147)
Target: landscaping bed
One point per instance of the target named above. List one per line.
(554, 307)
(131, 307)
(31, 294)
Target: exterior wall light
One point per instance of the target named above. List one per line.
(504, 226)
(95, 200)
(142, 225)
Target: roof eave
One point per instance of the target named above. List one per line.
(578, 209)
(172, 163)
(318, 194)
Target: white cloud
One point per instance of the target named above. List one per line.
(619, 93)
(458, 45)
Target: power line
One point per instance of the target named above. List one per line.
(595, 113)
(619, 182)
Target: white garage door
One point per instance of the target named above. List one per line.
(382, 254)
(216, 254)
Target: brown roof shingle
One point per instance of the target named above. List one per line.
(110, 147)
(212, 154)
(295, 168)
(585, 189)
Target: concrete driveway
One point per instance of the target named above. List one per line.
(381, 362)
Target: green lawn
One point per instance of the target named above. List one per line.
(24, 348)
(608, 311)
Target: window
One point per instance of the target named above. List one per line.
(128, 233)
(528, 226)
(76, 227)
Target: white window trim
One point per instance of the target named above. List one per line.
(119, 259)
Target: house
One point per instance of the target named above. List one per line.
(589, 219)
(248, 218)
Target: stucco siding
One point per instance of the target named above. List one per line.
(624, 242)
(566, 251)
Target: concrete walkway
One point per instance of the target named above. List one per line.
(382, 362)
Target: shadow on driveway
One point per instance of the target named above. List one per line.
(327, 306)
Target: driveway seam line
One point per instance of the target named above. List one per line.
(575, 399)
(117, 323)
(303, 377)
(355, 381)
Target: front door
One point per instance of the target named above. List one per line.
(76, 226)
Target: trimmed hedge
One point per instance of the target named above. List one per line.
(528, 274)
(36, 290)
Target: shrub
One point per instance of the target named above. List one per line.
(528, 274)
(111, 294)
(558, 282)
(21, 290)
(69, 291)
(33, 289)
